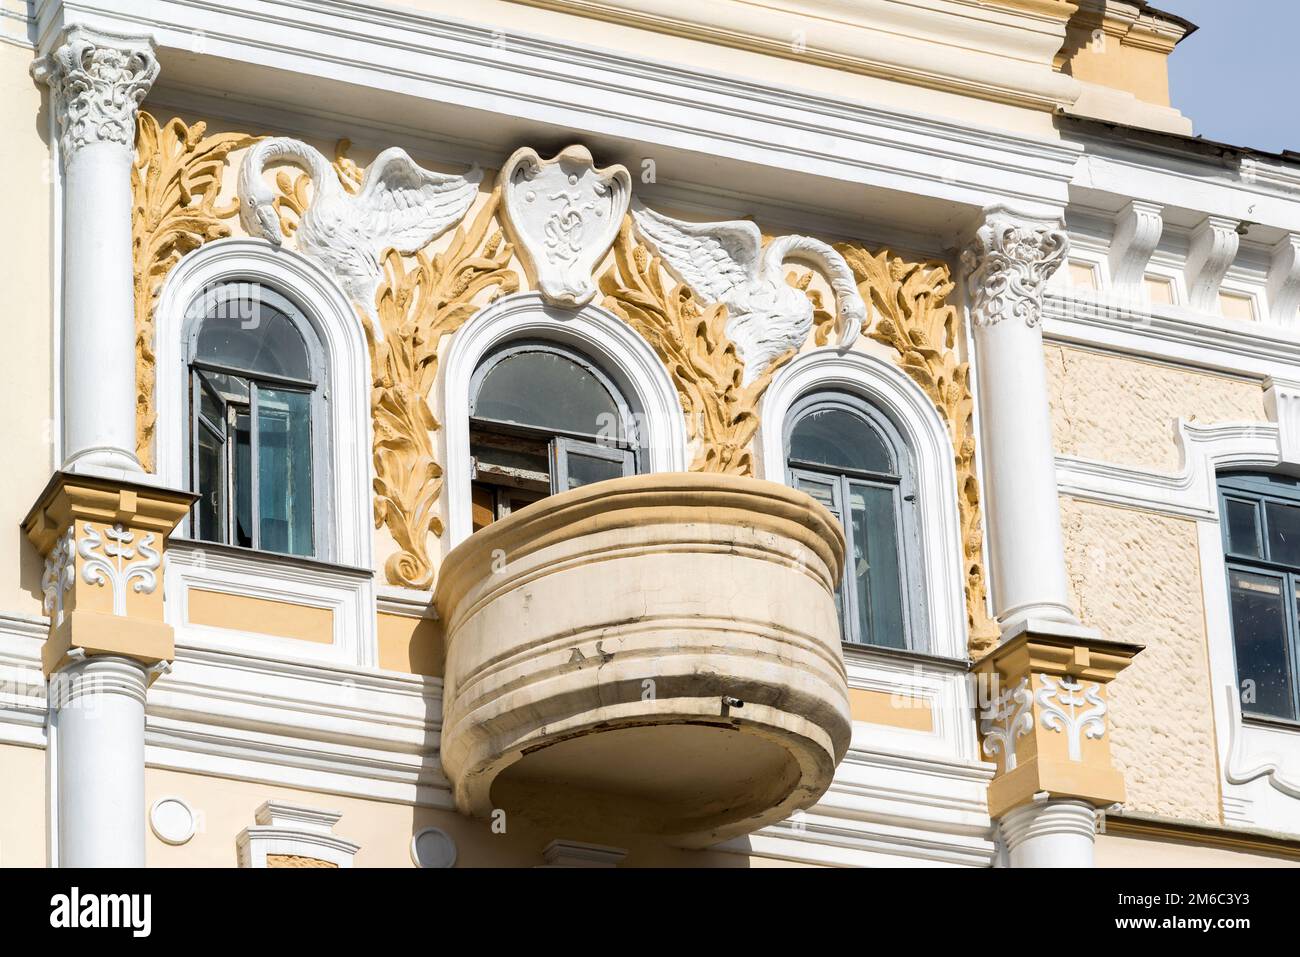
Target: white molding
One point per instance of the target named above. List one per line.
(1171, 334)
(1245, 763)
(347, 360)
(347, 593)
(295, 831)
(611, 343)
(1282, 402)
(1191, 492)
(883, 384)
(474, 72)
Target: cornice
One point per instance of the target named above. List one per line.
(1202, 835)
(1000, 50)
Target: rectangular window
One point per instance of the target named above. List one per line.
(1262, 609)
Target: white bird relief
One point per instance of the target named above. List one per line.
(726, 262)
(400, 206)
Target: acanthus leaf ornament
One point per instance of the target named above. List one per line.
(726, 263)
(99, 80)
(563, 215)
(1009, 265)
(399, 205)
(912, 316)
(418, 306)
(1059, 710)
(175, 181)
(59, 575)
(1011, 716)
(115, 559)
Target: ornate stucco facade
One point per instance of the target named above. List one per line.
(386, 606)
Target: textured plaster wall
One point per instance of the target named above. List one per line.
(1136, 576)
(1124, 410)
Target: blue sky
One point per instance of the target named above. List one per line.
(1236, 77)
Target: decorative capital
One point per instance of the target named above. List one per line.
(98, 81)
(1045, 717)
(1008, 264)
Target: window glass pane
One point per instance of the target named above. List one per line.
(243, 477)
(824, 491)
(284, 471)
(548, 391)
(209, 512)
(839, 438)
(1260, 608)
(248, 332)
(875, 565)
(587, 469)
(1243, 527)
(1283, 533)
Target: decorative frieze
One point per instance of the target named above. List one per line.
(563, 215)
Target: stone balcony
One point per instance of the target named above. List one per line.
(657, 655)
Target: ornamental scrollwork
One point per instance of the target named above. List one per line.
(59, 575)
(1008, 266)
(1072, 709)
(116, 560)
(1011, 716)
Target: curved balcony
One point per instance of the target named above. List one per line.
(657, 655)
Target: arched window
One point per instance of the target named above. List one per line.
(544, 419)
(256, 396)
(848, 456)
(1260, 518)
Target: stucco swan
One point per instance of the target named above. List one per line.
(400, 206)
(726, 262)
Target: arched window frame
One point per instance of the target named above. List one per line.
(198, 313)
(885, 387)
(626, 358)
(346, 502)
(907, 521)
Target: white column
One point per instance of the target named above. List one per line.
(1007, 266)
(1050, 834)
(97, 82)
(99, 717)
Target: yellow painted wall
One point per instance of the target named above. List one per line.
(1123, 410)
(1114, 850)
(1136, 576)
(26, 429)
(384, 830)
(22, 806)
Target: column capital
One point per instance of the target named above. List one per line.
(1008, 263)
(98, 81)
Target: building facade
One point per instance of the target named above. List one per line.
(609, 433)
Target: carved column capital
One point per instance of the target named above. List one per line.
(98, 81)
(1008, 265)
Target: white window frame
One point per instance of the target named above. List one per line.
(609, 342)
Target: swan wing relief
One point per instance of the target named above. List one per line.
(404, 206)
(718, 261)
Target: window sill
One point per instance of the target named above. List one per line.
(261, 555)
(1264, 721)
(865, 653)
